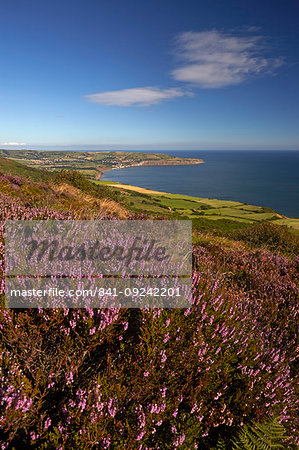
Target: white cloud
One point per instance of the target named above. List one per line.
(209, 59)
(212, 59)
(14, 143)
(144, 96)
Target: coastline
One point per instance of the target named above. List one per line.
(264, 178)
(170, 162)
(94, 164)
(214, 209)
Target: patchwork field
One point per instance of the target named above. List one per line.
(155, 202)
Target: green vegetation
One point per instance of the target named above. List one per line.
(265, 436)
(79, 181)
(12, 167)
(270, 236)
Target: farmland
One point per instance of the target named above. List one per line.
(183, 206)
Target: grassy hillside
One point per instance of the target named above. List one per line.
(13, 167)
(66, 191)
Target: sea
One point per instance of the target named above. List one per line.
(261, 178)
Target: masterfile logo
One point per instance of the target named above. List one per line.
(98, 263)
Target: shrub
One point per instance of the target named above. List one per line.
(273, 237)
(222, 227)
(79, 181)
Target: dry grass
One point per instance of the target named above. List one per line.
(113, 208)
(105, 206)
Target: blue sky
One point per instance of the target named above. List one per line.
(145, 74)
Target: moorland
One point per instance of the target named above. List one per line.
(218, 375)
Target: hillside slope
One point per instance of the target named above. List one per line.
(67, 192)
(129, 378)
(204, 210)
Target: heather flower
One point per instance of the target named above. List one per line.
(47, 423)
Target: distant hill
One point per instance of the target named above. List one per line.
(93, 164)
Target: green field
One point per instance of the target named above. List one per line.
(183, 206)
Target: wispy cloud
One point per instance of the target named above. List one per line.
(14, 143)
(212, 59)
(209, 59)
(144, 96)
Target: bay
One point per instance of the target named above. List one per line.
(262, 178)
